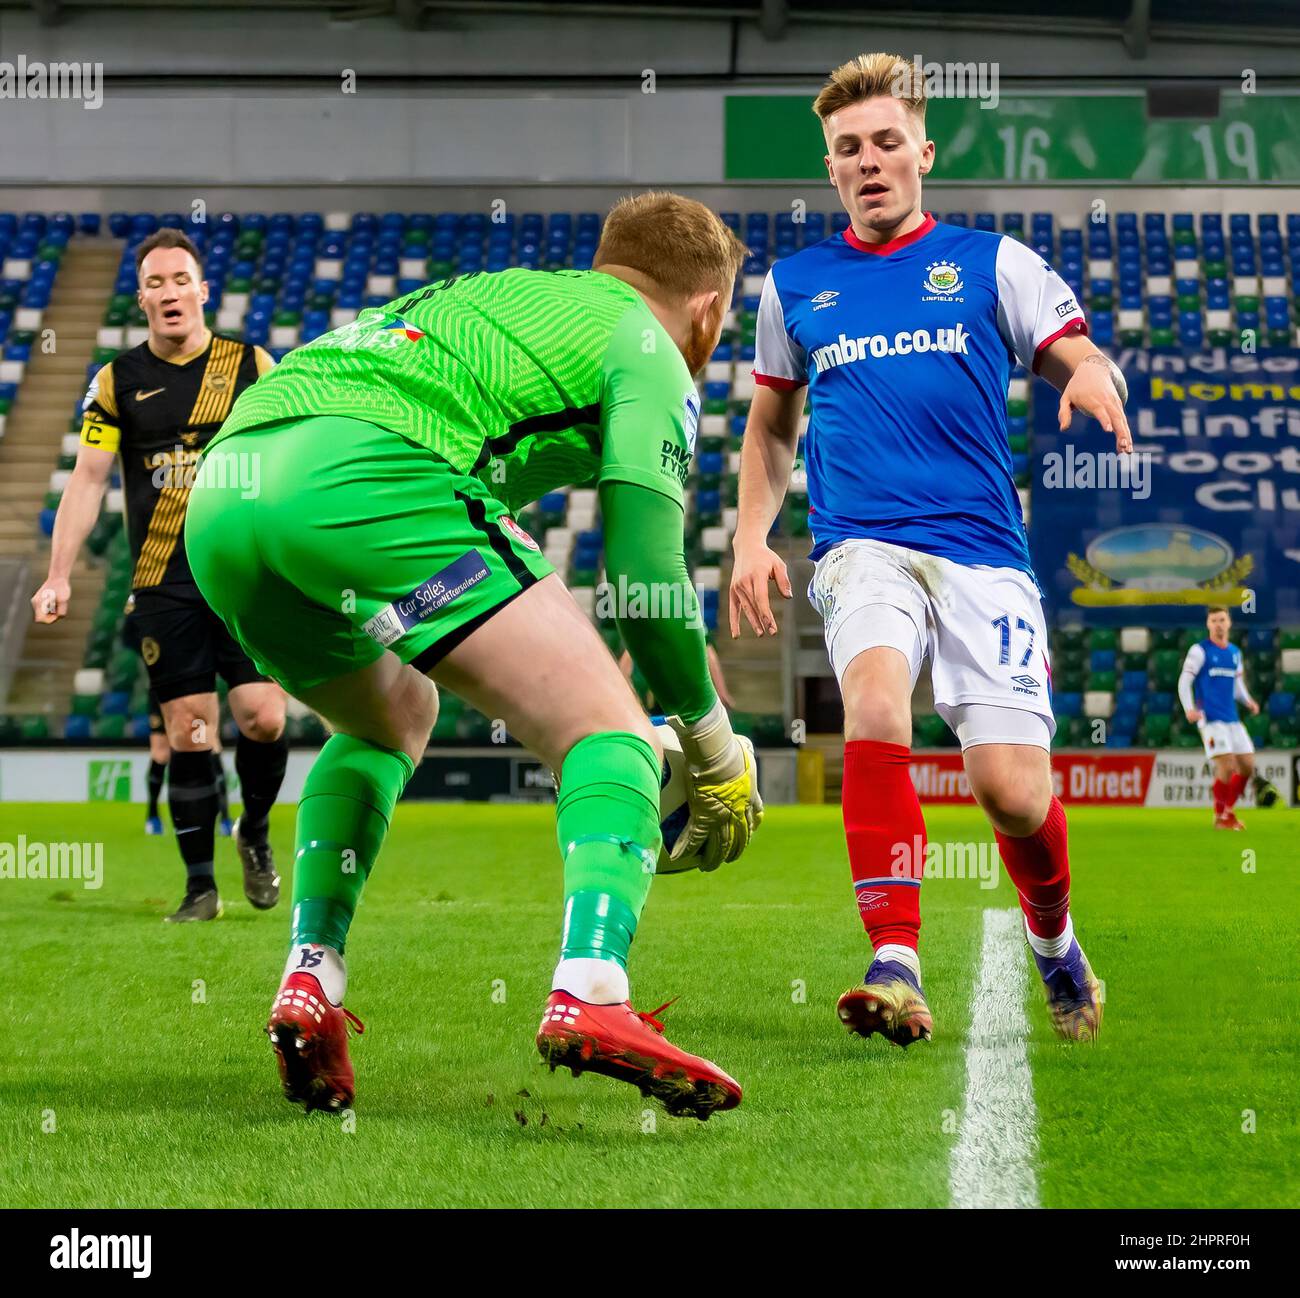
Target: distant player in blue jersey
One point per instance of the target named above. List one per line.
(1210, 686)
(905, 331)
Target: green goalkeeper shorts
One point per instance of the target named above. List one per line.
(321, 542)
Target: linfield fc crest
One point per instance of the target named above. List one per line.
(509, 525)
(943, 278)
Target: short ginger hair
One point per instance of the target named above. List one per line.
(675, 241)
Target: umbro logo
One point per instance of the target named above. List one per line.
(825, 298)
(144, 396)
(870, 900)
(1025, 684)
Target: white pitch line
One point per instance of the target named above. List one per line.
(993, 1160)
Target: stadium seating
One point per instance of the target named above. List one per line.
(281, 279)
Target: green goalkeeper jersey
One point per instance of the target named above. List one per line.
(532, 380)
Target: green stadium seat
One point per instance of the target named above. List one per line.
(1155, 730)
(1102, 637)
(1068, 678)
(927, 731)
(35, 728)
(85, 705)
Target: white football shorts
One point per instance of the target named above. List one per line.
(982, 629)
(1223, 737)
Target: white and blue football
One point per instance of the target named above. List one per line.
(674, 811)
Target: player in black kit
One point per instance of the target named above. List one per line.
(156, 407)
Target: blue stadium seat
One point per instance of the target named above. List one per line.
(1067, 704)
(1281, 704)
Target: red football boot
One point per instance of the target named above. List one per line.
(310, 1037)
(621, 1043)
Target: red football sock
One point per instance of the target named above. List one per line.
(1220, 797)
(1039, 866)
(1235, 786)
(886, 837)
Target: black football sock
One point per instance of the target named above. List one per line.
(192, 797)
(219, 773)
(157, 774)
(260, 768)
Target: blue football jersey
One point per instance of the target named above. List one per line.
(907, 348)
(1215, 686)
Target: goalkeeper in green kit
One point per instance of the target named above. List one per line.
(352, 526)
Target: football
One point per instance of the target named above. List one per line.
(673, 808)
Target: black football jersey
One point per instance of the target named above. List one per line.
(158, 415)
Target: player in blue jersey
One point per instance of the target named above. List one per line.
(1210, 686)
(905, 331)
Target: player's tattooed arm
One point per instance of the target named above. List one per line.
(1089, 382)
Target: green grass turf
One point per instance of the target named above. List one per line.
(158, 1099)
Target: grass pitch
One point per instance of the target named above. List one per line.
(137, 1074)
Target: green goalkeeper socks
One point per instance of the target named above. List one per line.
(608, 819)
(343, 816)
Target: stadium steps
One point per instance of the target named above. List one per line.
(49, 394)
(752, 666)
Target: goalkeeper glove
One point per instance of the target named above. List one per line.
(721, 789)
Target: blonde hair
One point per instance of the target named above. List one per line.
(868, 76)
(677, 242)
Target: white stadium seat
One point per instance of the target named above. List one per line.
(1135, 640)
(1098, 703)
(88, 680)
(1291, 660)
